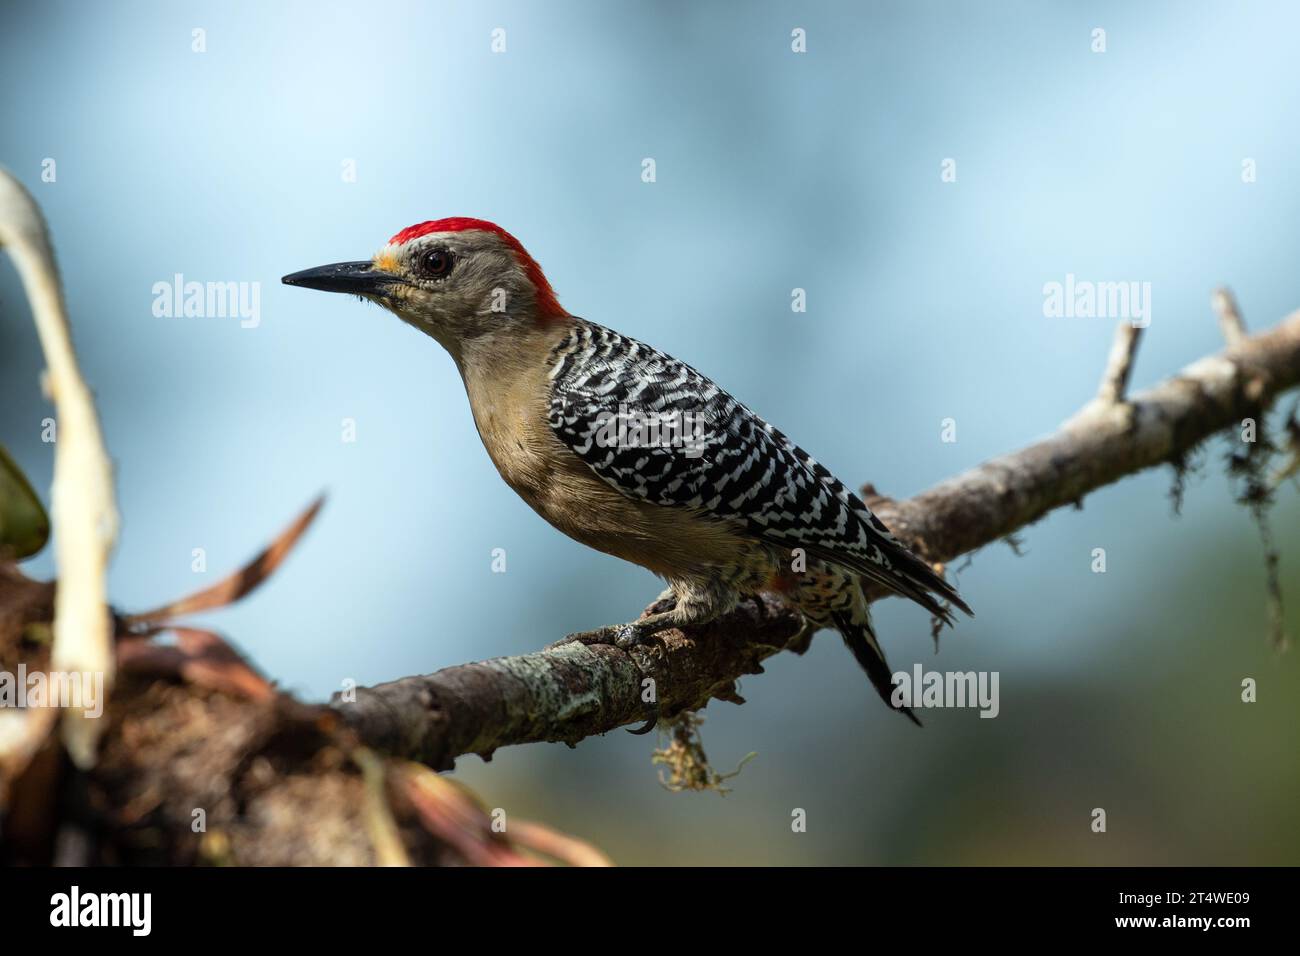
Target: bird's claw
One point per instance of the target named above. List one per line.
(627, 636)
(582, 637)
(651, 722)
(623, 636)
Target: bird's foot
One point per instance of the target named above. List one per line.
(624, 636)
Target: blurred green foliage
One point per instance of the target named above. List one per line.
(24, 527)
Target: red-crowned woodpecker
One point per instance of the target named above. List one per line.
(634, 453)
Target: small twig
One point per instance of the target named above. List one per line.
(1231, 323)
(1119, 366)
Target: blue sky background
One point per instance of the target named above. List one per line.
(774, 170)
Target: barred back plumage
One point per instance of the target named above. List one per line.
(746, 470)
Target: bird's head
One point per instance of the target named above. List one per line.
(458, 279)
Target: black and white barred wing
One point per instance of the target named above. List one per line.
(657, 430)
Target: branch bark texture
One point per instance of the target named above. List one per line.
(570, 692)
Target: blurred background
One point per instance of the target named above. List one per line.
(774, 170)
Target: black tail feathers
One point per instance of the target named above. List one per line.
(913, 578)
(861, 640)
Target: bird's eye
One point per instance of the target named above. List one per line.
(436, 263)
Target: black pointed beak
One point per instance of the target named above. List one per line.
(355, 278)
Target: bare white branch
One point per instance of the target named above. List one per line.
(83, 512)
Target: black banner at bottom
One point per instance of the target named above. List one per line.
(235, 905)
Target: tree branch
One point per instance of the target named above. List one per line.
(570, 692)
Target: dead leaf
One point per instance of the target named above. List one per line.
(234, 587)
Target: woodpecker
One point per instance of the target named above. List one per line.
(702, 492)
